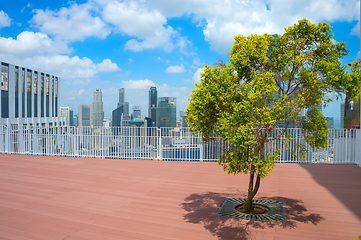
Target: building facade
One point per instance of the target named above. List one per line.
(121, 96)
(122, 102)
(117, 116)
(136, 112)
(152, 109)
(84, 115)
(330, 122)
(342, 114)
(67, 113)
(166, 110)
(183, 117)
(75, 120)
(97, 108)
(351, 114)
(28, 97)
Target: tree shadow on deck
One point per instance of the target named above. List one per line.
(201, 208)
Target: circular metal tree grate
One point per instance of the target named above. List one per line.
(277, 211)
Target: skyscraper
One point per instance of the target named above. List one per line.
(351, 117)
(97, 108)
(166, 111)
(136, 112)
(125, 108)
(342, 124)
(67, 112)
(152, 110)
(117, 116)
(121, 96)
(84, 118)
(122, 102)
(183, 117)
(75, 120)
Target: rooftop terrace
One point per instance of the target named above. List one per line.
(81, 198)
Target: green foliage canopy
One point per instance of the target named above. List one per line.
(270, 78)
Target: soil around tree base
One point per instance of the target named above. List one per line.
(256, 208)
(231, 208)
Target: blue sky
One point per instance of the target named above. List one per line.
(139, 44)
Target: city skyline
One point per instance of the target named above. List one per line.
(138, 44)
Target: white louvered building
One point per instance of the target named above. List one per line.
(29, 97)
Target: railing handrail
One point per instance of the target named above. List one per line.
(158, 143)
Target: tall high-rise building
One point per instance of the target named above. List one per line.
(75, 120)
(117, 116)
(67, 112)
(136, 112)
(121, 96)
(28, 97)
(183, 117)
(351, 118)
(97, 108)
(167, 115)
(342, 124)
(84, 115)
(122, 110)
(122, 102)
(125, 108)
(152, 110)
(330, 122)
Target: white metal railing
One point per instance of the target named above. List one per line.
(167, 144)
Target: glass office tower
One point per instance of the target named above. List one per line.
(152, 110)
(167, 115)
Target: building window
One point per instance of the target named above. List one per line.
(16, 92)
(4, 90)
(35, 94)
(52, 96)
(28, 92)
(23, 93)
(42, 94)
(56, 96)
(47, 95)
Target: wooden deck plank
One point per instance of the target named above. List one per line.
(79, 198)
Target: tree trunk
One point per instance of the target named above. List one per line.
(252, 192)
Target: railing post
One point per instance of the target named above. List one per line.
(160, 150)
(7, 139)
(358, 147)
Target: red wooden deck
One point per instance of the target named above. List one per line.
(78, 198)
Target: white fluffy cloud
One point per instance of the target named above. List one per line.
(134, 19)
(147, 25)
(138, 84)
(146, 21)
(196, 77)
(161, 38)
(5, 21)
(72, 67)
(28, 44)
(38, 51)
(175, 69)
(73, 23)
(222, 20)
(356, 30)
(107, 66)
(62, 65)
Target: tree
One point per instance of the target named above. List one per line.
(270, 79)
